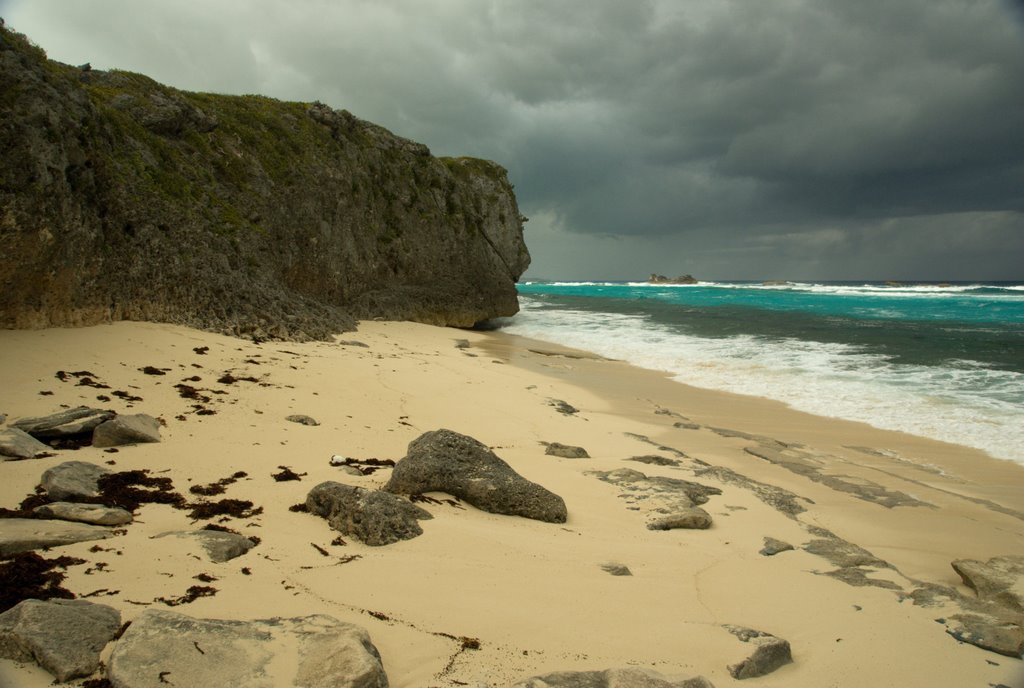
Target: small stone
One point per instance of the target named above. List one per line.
(302, 420)
(773, 547)
(616, 569)
(770, 653)
(693, 518)
(565, 451)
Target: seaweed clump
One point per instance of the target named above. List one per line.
(27, 575)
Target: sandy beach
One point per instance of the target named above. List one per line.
(538, 597)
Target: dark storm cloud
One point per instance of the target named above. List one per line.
(824, 137)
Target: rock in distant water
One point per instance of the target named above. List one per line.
(256, 217)
(770, 653)
(630, 677)
(446, 461)
(376, 518)
(126, 429)
(18, 444)
(73, 479)
(162, 647)
(64, 637)
(682, 279)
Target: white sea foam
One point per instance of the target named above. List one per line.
(962, 402)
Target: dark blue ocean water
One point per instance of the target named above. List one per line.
(944, 361)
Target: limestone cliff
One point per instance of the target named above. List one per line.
(121, 198)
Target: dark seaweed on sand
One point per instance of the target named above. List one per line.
(239, 508)
(193, 593)
(29, 576)
(129, 489)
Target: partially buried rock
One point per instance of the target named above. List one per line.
(999, 580)
(616, 569)
(630, 677)
(376, 518)
(989, 633)
(565, 451)
(773, 547)
(693, 518)
(84, 513)
(73, 479)
(163, 647)
(65, 637)
(77, 421)
(302, 420)
(220, 546)
(770, 653)
(446, 461)
(18, 444)
(126, 429)
(25, 534)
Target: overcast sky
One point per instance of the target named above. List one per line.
(756, 139)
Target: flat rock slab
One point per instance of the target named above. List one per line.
(446, 461)
(73, 480)
(138, 428)
(85, 513)
(631, 677)
(769, 654)
(218, 545)
(65, 637)
(375, 518)
(989, 633)
(693, 518)
(565, 451)
(164, 648)
(999, 580)
(18, 444)
(76, 421)
(26, 534)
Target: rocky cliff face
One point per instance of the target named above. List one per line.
(121, 199)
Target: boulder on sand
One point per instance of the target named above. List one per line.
(446, 461)
(376, 518)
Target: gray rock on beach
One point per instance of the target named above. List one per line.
(773, 547)
(73, 479)
(18, 444)
(630, 677)
(76, 421)
(26, 534)
(769, 654)
(84, 513)
(999, 580)
(302, 419)
(446, 461)
(163, 647)
(126, 429)
(218, 545)
(376, 518)
(64, 637)
(693, 518)
(565, 451)
(988, 632)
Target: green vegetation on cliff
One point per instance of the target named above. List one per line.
(122, 198)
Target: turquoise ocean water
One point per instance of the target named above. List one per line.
(943, 361)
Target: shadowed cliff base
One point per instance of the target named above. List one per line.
(123, 199)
